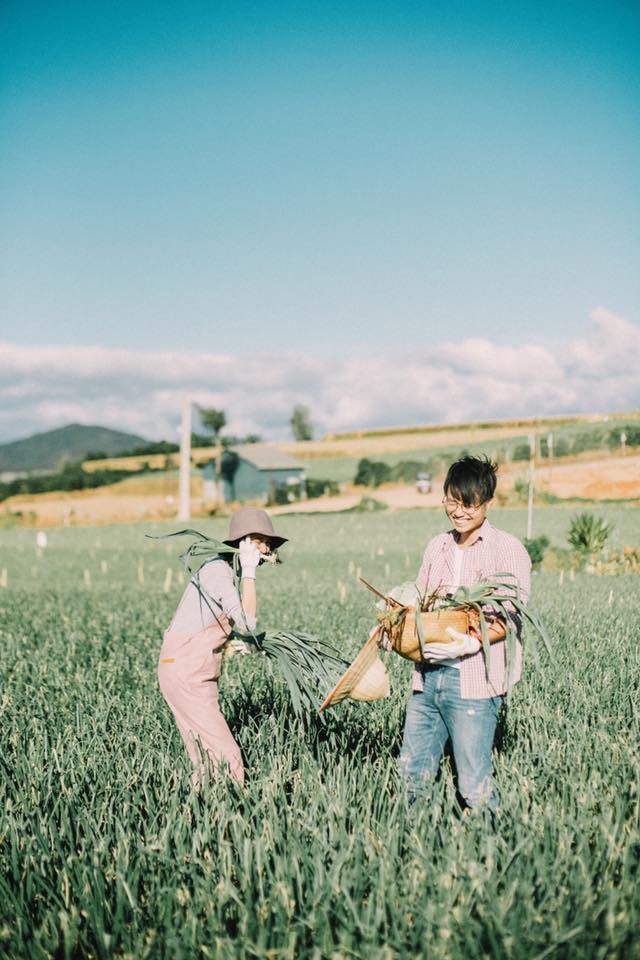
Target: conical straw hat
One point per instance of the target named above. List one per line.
(366, 679)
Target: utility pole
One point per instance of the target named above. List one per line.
(532, 462)
(184, 510)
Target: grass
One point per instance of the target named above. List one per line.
(105, 850)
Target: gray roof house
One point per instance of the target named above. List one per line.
(252, 471)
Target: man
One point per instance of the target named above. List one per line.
(453, 695)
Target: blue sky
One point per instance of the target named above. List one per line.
(329, 181)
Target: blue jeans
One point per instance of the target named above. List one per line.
(437, 714)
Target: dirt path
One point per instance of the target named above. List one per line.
(611, 478)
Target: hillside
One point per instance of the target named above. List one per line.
(49, 450)
(336, 456)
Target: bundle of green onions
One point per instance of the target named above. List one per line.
(310, 667)
(202, 549)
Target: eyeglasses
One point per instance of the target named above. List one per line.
(461, 507)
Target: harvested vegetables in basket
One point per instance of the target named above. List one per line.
(467, 608)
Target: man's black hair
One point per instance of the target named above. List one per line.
(472, 480)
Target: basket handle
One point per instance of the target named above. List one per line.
(378, 594)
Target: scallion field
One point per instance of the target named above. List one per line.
(106, 851)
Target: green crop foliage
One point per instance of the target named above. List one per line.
(105, 851)
(588, 533)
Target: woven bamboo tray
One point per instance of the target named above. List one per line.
(434, 623)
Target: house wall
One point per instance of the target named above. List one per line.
(250, 483)
(209, 490)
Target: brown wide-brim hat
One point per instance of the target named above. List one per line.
(250, 520)
(366, 679)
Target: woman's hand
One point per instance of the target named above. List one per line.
(249, 558)
(236, 645)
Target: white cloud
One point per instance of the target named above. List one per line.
(43, 387)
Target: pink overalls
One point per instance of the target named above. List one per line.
(188, 673)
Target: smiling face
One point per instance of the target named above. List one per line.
(465, 518)
(468, 493)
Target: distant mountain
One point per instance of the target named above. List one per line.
(50, 450)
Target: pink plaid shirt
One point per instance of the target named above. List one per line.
(494, 551)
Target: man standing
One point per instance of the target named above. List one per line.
(453, 695)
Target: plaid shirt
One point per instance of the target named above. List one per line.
(494, 551)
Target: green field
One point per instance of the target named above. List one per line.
(106, 852)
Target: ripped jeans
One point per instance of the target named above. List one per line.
(437, 714)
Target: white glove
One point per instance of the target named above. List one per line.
(249, 558)
(462, 645)
(234, 646)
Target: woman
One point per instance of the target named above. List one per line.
(191, 654)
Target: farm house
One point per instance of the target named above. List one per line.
(255, 471)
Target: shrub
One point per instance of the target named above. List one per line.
(521, 489)
(282, 493)
(71, 477)
(560, 558)
(368, 505)
(381, 473)
(631, 432)
(363, 473)
(371, 473)
(521, 452)
(149, 449)
(320, 488)
(407, 470)
(536, 547)
(588, 533)
(589, 440)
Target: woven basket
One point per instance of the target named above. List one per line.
(434, 624)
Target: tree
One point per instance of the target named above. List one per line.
(363, 473)
(213, 421)
(229, 463)
(301, 423)
(371, 473)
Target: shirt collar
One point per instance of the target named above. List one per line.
(485, 533)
